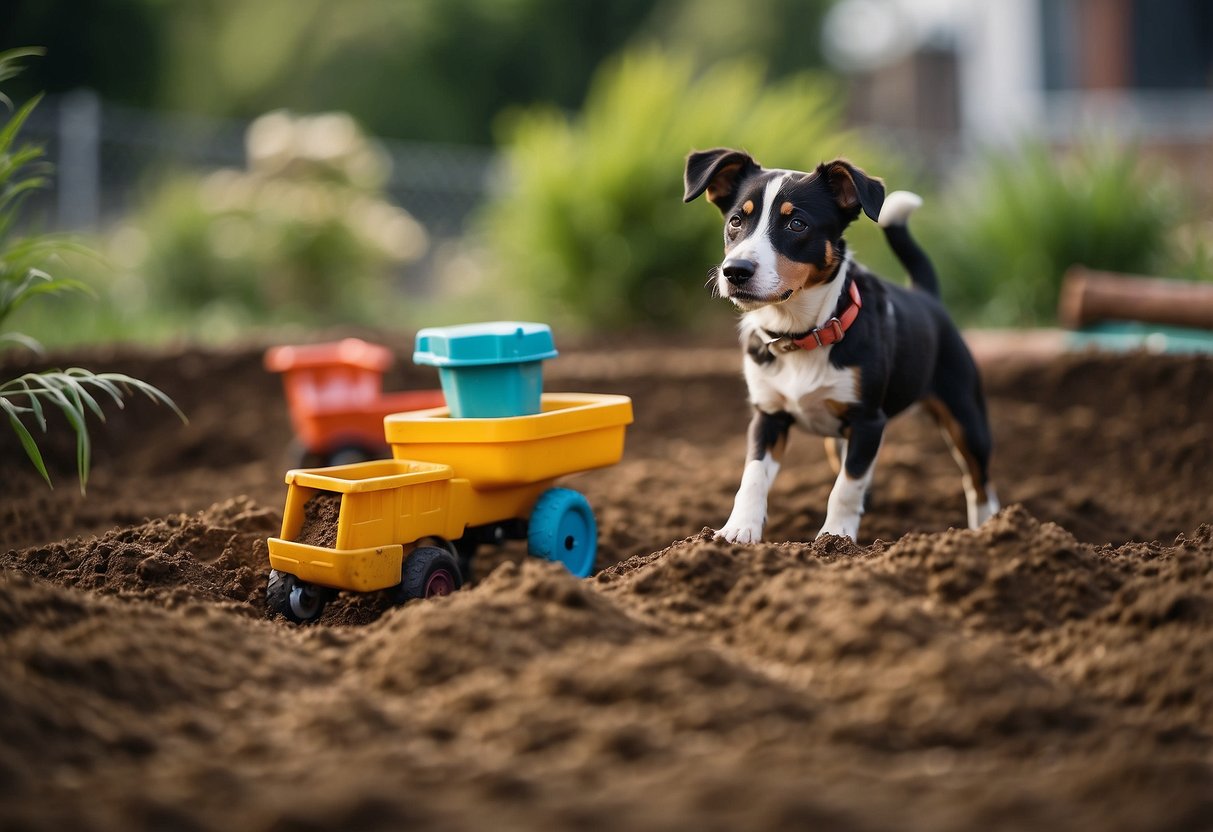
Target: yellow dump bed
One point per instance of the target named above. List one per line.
(573, 432)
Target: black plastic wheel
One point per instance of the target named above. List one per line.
(464, 556)
(351, 452)
(462, 550)
(429, 572)
(298, 455)
(299, 601)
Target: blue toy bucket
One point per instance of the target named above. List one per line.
(488, 370)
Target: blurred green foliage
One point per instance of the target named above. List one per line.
(435, 70)
(591, 225)
(591, 228)
(303, 235)
(1003, 236)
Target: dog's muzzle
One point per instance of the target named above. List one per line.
(738, 271)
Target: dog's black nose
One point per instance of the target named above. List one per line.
(738, 271)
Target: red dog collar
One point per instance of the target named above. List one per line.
(831, 332)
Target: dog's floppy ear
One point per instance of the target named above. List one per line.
(718, 172)
(853, 189)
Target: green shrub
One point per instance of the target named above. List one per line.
(303, 235)
(591, 226)
(1003, 237)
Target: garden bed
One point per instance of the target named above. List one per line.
(1051, 669)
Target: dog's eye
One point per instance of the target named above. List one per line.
(735, 221)
(797, 225)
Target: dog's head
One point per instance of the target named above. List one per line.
(782, 229)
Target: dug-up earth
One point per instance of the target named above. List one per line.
(1053, 669)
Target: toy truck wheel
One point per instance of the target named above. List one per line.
(350, 452)
(563, 529)
(298, 455)
(429, 572)
(461, 551)
(298, 600)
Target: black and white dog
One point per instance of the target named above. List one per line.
(828, 345)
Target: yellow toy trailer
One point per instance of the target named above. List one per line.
(452, 484)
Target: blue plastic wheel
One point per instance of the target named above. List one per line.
(563, 529)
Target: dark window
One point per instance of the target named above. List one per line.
(1172, 44)
(1140, 44)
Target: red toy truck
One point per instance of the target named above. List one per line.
(335, 395)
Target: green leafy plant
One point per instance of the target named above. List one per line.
(73, 392)
(1004, 236)
(592, 224)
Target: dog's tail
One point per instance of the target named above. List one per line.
(894, 215)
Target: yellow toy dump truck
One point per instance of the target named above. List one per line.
(479, 470)
(413, 521)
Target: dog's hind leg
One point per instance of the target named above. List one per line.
(768, 436)
(959, 408)
(848, 497)
(962, 421)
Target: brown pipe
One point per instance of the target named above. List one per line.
(1088, 296)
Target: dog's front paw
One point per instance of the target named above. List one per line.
(740, 532)
(842, 528)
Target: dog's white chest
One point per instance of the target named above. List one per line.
(805, 385)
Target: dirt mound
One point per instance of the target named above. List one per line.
(217, 555)
(1048, 670)
(1011, 575)
(707, 685)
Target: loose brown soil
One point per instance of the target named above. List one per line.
(1053, 669)
(320, 515)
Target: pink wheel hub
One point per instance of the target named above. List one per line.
(440, 583)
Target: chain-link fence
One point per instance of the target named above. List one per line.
(105, 155)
